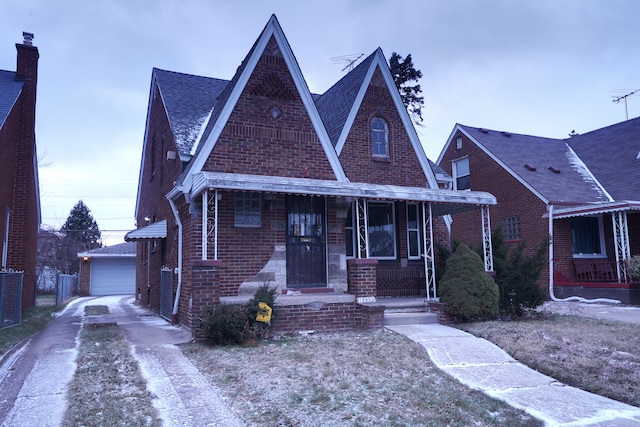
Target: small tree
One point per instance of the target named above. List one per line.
(517, 275)
(404, 73)
(466, 289)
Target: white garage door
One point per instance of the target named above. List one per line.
(113, 276)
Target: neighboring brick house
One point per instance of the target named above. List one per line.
(19, 190)
(588, 184)
(330, 198)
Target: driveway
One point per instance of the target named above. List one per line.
(34, 376)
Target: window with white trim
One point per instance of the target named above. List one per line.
(587, 236)
(511, 228)
(379, 137)
(381, 227)
(247, 209)
(414, 248)
(461, 174)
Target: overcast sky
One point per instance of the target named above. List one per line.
(543, 67)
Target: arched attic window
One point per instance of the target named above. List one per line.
(379, 137)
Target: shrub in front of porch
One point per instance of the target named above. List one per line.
(233, 324)
(634, 266)
(467, 290)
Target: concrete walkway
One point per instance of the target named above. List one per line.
(481, 365)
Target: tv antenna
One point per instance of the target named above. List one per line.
(349, 60)
(624, 98)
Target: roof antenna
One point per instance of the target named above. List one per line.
(350, 60)
(624, 97)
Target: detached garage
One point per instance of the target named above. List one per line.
(108, 271)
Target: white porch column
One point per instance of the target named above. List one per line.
(621, 237)
(363, 232)
(429, 261)
(210, 223)
(205, 231)
(486, 239)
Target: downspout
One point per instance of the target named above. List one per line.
(551, 293)
(177, 217)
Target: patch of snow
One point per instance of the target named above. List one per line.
(578, 165)
(202, 125)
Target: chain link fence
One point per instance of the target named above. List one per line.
(10, 298)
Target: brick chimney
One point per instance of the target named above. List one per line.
(25, 215)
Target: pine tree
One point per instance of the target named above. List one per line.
(82, 228)
(404, 72)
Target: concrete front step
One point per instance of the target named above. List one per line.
(409, 318)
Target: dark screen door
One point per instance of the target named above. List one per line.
(306, 251)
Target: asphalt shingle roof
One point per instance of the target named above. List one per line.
(189, 101)
(573, 184)
(611, 154)
(9, 91)
(336, 103)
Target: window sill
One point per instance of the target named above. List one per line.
(381, 159)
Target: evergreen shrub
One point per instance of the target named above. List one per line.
(467, 290)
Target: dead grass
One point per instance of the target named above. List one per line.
(345, 379)
(595, 355)
(107, 388)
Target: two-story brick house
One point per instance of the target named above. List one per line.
(582, 191)
(19, 190)
(330, 198)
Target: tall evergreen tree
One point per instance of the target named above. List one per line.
(82, 228)
(404, 73)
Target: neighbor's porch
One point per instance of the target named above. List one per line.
(594, 245)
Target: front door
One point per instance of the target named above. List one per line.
(306, 243)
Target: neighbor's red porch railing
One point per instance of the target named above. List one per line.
(592, 273)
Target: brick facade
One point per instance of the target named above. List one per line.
(18, 188)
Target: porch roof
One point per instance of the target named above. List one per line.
(157, 230)
(595, 209)
(444, 201)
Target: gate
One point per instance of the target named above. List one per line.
(166, 293)
(65, 287)
(10, 298)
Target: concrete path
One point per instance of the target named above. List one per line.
(182, 395)
(34, 376)
(481, 365)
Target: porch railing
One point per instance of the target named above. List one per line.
(594, 271)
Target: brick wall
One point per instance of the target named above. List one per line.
(269, 131)
(402, 167)
(85, 277)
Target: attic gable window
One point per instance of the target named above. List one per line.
(461, 174)
(379, 137)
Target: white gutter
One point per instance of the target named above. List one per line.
(177, 217)
(551, 293)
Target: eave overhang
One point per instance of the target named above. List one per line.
(155, 231)
(444, 201)
(594, 209)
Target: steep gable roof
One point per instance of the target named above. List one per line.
(9, 92)
(231, 94)
(189, 101)
(336, 103)
(611, 154)
(570, 181)
(355, 85)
